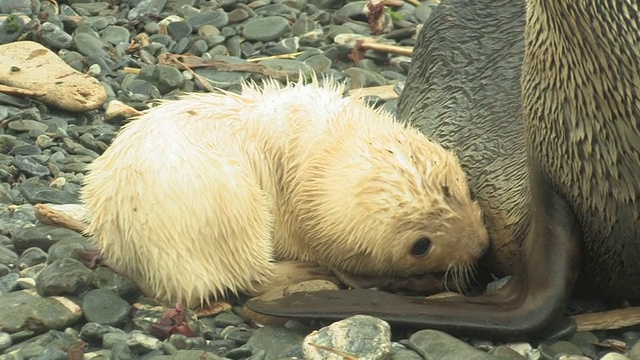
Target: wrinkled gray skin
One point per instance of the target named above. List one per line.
(463, 91)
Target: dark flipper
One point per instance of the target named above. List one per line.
(530, 305)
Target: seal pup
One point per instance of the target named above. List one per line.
(581, 110)
(196, 198)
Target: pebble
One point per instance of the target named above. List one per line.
(360, 336)
(100, 64)
(267, 28)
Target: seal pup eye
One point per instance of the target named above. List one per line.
(421, 247)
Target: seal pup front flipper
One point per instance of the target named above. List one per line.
(529, 305)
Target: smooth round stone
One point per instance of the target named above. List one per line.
(217, 18)
(319, 63)
(32, 256)
(233, 46)
(90, 9)
(198, 47)
(267, 28)
(25, 150)
(238, 15)
(8, 283)
(54, 36)
(302, 26)
(179, 29)
(278, 342)
(5, 340)
(15, 6)
(64, 276)
(90, 45)
(180, 46)
(146, 7)
(92, 332)
(361, 336)
(105, 307)
(30, 166)
(116, 34)
(8, 257)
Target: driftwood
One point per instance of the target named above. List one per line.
(12, 90)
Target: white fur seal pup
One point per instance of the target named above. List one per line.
(199, 196)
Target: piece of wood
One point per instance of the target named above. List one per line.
(12, 90)
(50, 216)
(385, 92)
(608, 320)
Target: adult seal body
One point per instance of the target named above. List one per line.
(580, 84)
(196, 198)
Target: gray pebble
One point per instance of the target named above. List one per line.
(8, 283)
(121, 350)
(64, 276)
(359, 336)
(32, 256)
(52, 353)
(288, 65)
(26, 125)
(433, 344)
(146, 7)
(319, 63)
(90, 45)
(42, 236)
(227, 319)
(116, 34)
(179, 29)
(564, 348)
(105, 278)
(217, 18)
(220, 347)
(54, 36)
(28, 165)
(93, 333)
(265, 28)
(238, 15)
(5, 340)
(503, 352)
(277, 342)
(23, 309)
(90, 9)
(104, 307)
(8, 257)
(182, 342)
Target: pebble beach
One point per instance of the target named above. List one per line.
(125, 55)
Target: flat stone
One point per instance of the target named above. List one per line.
(267, 28)
(29, 65)
(360, 336)
(433, 344)
(26, 310)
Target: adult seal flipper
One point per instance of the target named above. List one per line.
(581, 98)
(530, 305)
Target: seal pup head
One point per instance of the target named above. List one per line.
(380, 199)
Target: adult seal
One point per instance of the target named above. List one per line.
(197, 198)
(580, 144)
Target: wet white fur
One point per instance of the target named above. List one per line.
(199, 196)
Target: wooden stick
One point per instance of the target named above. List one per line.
(391, 49)
(282, 56)
(385, 92)
(50, 216)
(608, 320)
(194, 62)
(11, 90)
